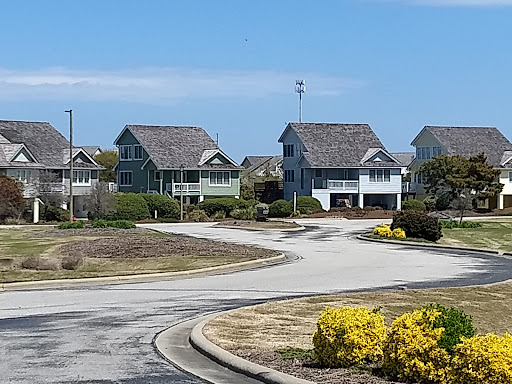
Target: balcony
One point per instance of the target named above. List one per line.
(188, 188)
(338, 186)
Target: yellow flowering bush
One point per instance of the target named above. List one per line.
(398, 233)
(411, 350)
(348, 336)
(482, 360)
(383, 230)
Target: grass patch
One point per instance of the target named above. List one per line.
(296, 353)
(496, 235)
(291, 323)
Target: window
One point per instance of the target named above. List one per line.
(418, 153)
(436, 151)
(125, 178)
(81, 177)
(125, 152)
(158, 175)
(380, 175)
(302, 178)
(137, 152)
(220, 179)
(318, 173)
(418, 178)
(289, 176)
(288, 150)
(20, 174)
(510, 177)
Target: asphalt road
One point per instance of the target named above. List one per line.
(103, 333)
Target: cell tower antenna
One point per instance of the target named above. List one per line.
(300, 88)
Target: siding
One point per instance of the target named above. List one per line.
(393, 186)
(140, 178)
(290, 163)
(507, 189)
(231, 191)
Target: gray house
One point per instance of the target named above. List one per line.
(335, 162)
(433, 141)
(36, 154)
(152, 159)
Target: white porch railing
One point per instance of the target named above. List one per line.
(187, 188)
(408, 187)
(341, 185)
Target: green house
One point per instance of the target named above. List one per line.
(171, 160)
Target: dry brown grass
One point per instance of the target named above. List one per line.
(292, 323)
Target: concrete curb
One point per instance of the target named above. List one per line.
(434, 246)
(57, 283)
(235, 363)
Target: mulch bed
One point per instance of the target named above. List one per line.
(310, 370)
(89, 231)
(157, 246)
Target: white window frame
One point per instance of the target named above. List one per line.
(81, 178)
(215, 184)
(135, 148)
(379, 176)
(121, 184)
(121, 153)
(436, 151)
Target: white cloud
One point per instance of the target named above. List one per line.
(456, 3)
(156, 85)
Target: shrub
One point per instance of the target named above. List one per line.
(398, 233)
(411, 350)
(457, 224)
(130, 206)
(483, 360)
(383, 230)
(198, 215)
(123, 224)
(30, 262)
(224, 204)
(76, 225)
(456, 324)
(11, 198)
(165, 206)
(348, 336)
(369, 208)
(244, 214)
(413, 205)
(40, 264)
(218, 215)
(417, 224)
(100, 224)
(280, 208)
(72, 263)
(51, 213)
(430, 203)
(308, 205)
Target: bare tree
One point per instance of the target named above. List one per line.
(49, 189)
(100, 202)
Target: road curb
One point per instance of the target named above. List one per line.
(58, 283)
(235, 363)
(434, 246)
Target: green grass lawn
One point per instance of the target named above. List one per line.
(495, 235)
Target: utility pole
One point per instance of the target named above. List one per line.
(70, 164)
(181, 192)
(300, 88)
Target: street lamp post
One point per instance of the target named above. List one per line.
(70, 164)
(181, 192)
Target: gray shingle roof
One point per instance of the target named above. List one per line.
(405, 158)
(469, 141)
(172, 146)
(91, 149)
(336, 145)
(267, 162)
(40, 138)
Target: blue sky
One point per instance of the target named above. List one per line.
(230, 66)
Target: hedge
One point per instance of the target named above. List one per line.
(130, 206)
(418, 225)
(280, 208)
(165, 206)
(413, 205)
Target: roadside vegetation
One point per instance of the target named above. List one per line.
(338, 345)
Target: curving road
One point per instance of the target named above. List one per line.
(103, 333)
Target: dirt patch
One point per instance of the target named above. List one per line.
(268, 225)
(89, 231)
(151, 246)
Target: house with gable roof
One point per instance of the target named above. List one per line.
(29, 149)
(334, 162)
(433, 141)
(171, 160)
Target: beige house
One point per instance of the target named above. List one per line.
(433, 141)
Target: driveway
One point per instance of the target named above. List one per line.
(102, 334)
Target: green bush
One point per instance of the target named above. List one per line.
(308, 205)
(51, 213)
(443, 201)
(457, 224)
(455, 323)
(124, 224)
(418, 225)
(100, 223)
(280, 208)
(223, 204)
(76, 225)
(166, 207)
(430, 203)
(413, 205)
(197, 215)
(244, 213)
(218, 215)
(130, 206)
